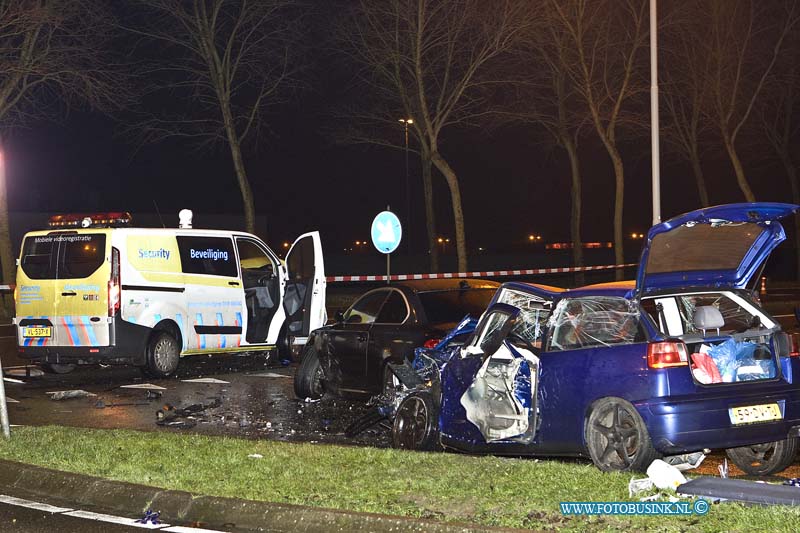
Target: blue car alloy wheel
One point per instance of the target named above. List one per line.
(416, 422)
(617, 437)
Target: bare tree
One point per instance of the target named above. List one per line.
(547, 97)
(777, 114)
(685, 88)
(228, 61)
(52, 55)
(744, 42)
(428, 60)
(606, 39)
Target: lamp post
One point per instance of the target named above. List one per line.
(406, 122)
(654, 131)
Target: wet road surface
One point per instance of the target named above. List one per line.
(247, 398)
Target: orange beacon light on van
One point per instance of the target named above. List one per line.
(85, 220)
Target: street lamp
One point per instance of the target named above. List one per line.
(406, 122)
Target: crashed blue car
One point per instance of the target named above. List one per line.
(681, 360)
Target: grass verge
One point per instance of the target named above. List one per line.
(494, 491)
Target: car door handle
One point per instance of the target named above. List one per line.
(234, 283)
(70, 293)
(362, 337)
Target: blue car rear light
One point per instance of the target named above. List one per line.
(667, 354)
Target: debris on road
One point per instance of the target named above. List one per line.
(150, 517)
(101, 404)
(69, 394)
(638, 486)
(723, 469)
(24, 372)
(183, 417)
(142, 386)
(206, 380)
(664, 475)
(152, 394)
(11, 400)
(686, 461)
(269, 375)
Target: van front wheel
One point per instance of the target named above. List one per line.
(163, 353)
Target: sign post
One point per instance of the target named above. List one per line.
(3, 405)
(386, 233)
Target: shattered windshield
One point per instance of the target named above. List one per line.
(533, 314)
(594, 321)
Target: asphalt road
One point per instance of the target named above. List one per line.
(245, 397)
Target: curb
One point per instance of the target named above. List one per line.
(116, 496)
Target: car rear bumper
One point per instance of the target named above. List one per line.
(128, 345)
(678, 426)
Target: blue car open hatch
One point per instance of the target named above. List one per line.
(722, 246)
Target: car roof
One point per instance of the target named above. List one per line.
(430, 285)
(524, 285)
(621, 289)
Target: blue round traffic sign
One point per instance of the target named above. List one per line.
(386, 232)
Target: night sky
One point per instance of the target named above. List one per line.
(512, 183)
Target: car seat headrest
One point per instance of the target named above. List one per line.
(708, 317)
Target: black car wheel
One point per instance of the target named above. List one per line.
(163, 354)
(309, 379)
(617, 437)
(58, 368)
(764, 459)
(416, 422)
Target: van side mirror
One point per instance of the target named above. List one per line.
(339, 316)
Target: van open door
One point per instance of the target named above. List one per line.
(304, 289)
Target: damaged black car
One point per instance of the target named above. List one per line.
(385, 325)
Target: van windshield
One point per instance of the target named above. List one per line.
(79, 255)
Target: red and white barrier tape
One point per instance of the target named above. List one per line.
(481, 274)
(456, 275)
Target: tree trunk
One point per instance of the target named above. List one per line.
(6, 249)
(575, 213)
(458, 214)
(430, 214)
(700, 178)
(619, 195)
(741, 179)
(241, 173)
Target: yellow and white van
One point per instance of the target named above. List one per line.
(92, 290)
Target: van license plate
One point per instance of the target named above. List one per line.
(755, 413)
(37, 332)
